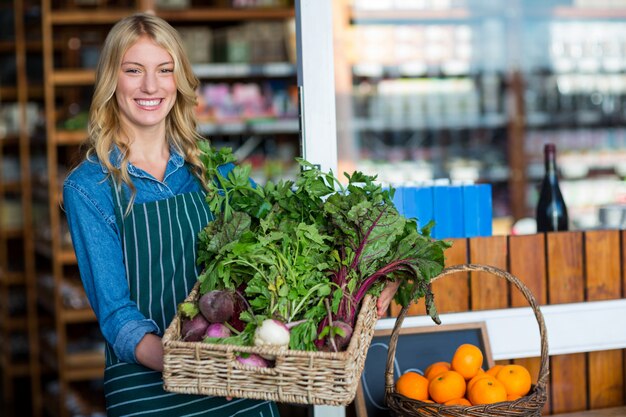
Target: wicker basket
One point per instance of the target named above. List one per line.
(529, 405)
(298, 377)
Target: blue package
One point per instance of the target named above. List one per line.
(477, 210)
(448, 211)
(418, 204)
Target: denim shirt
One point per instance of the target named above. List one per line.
(90, 212)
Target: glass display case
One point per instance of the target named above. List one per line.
(470, 90)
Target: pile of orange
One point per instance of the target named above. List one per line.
(463, 381)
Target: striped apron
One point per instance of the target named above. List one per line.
(159, 241)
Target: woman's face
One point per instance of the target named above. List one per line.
(146, 89)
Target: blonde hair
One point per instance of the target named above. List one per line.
(105, 130)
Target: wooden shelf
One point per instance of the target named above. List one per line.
(12, 186)
(208, 14)
(78, 316)
(65, 315)
(66, 256)
(16, 369)
(8, 93)
(75, 77)
(10, 139)
(14, 323)
(86, 17)
(12, 278)
(85, 361)
(70, 137)
(12, 232)
(79, 366)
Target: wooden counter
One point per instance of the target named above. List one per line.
(606, 412)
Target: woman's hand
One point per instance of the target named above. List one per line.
(386, 295)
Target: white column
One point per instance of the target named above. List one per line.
(316, 82)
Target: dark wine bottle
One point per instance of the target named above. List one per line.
(551, 208)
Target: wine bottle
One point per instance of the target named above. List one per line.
(551, 208)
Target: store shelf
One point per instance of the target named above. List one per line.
(18, 95)
(70, 137)
(73, 77)
(86, 17)
(8, 93)
(65, 256)
(238, 70)
(208, 14)
(12, 187)
(487, 122)
(80, 366)
(407, 15)
(17, 369)
(12, 278)
(564, 12)
(14, 324)
(290, 126)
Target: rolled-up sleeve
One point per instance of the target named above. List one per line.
(98, 250)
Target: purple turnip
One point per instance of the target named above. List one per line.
(217, 330)
(217, 306)
(342, 334)
(193, 329)
(253, 360)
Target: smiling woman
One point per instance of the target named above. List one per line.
(135, 238)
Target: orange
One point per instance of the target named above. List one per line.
(447, 386)
(487, 391)
(435, 369)
(467, 360)
(493, 371)
(412, 385)
(513, 397)
(458, 401)
(515, 378)
(478, 376)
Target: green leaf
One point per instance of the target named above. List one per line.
(188, 309)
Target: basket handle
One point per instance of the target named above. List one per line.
(543, 370)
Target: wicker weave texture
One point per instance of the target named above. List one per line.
(527, 406)
(298, 377)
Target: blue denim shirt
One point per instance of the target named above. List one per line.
(96, 238)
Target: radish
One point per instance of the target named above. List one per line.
(194, 329)
(272, 333)
(253, 360)
(217, 306)
(217, 330)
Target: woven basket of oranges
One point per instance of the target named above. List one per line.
(459, 391)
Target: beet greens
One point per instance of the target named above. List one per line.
(306, 252)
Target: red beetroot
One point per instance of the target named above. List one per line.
(217, 306)
(193, 329)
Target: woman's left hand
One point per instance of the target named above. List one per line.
(386, 295)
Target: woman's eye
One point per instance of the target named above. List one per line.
(167, 70)
(132, 70)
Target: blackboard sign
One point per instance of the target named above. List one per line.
(417, 348)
